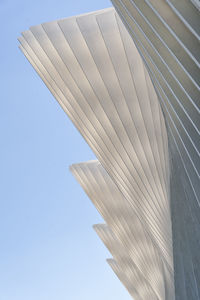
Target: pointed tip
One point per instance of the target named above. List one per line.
(99, 226)
(71, 168)
(83, 164)
(110, 260)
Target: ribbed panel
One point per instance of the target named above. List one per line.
(138, 248)
(135, 281)
(125, 279)
(167, 35)
(176, 73)
(113, 104)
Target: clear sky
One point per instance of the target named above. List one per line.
(48, 249)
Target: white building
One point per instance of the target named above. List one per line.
(145, 135)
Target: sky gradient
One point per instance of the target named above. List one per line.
(48, 249)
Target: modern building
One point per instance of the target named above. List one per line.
(133, 93)
(167, 35)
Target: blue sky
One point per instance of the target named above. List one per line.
(48, 249)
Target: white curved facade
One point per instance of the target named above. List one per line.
(93, 68)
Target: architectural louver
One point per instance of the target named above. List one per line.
(93, 68)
